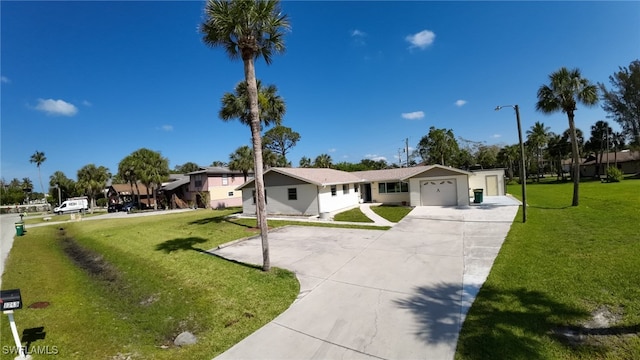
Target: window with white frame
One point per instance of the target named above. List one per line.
(225, 179)
(334, 190)
(345, 188)
(355, 187)
(393, 187)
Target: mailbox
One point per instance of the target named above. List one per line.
(10, 299)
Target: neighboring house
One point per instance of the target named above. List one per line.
(314, 191)
(215, 187)
(627, 161)
(176, 191)
(122, 193)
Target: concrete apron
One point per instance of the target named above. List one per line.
(396, 294)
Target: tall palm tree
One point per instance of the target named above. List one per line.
(566, 88)
(128, 170)
(248, 30)
(241, 160)
(305, 162)
(507, 156)
(151, 169)
(92, 180)
(618, 141)
(600, 141)
(537, 137)
(38, 158)
(323, 161)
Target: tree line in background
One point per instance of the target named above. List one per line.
(247, 30)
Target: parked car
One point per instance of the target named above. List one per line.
(129, 206)
(114, 208)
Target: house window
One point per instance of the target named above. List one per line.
(345, 188)
(230, 193)
(293, 193)
(334, 190)
(198, 181)
(225, 179)
(355, 187)
(393, 187)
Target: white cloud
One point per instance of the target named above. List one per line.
(496, 136)
(56, 107)
(332, 150)
(413, 115)
(422, 39)
(166, 128)
(4, 79)
(358, 33)
(86, 103)
(460, 102)
(375, 157)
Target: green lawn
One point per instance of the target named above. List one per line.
(353, 215)
(557, 269)
(150, 281)
(391, 212)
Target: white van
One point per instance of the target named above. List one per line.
(72, 205)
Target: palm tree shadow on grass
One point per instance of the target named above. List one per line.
(170, 246)
(217, 220)
(491, 330)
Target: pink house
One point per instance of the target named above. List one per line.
(215, 187)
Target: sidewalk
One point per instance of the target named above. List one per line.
(377, 219)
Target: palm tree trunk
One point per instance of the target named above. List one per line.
(252, 89)
(576, 160)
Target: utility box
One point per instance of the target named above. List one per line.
(10, 299)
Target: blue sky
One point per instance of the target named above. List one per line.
(91, 82)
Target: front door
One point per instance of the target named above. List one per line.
(492, 185)
(366, 194)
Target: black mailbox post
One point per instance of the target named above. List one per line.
(10, 299)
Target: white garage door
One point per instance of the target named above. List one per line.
(439, 192)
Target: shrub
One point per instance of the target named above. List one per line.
(614, 174)
(101, 202)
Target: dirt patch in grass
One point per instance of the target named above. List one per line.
(601, 330)
(91, 262)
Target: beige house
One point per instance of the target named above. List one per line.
(215, 187)
(314, 191)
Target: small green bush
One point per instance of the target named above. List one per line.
(614, 174)
(101, 202)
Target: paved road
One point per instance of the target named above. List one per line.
(368, 294)
(7, 232)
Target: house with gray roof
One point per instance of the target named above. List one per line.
(314, 191)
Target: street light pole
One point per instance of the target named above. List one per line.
(523, 174)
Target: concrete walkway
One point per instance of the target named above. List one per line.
(371, 294)
(377, 219)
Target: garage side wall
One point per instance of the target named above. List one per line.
(462, 189)
(478, 180)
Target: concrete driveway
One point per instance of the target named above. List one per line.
(396, 294)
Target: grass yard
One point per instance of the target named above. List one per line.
(558, 270)
(148, 280)
(391, 212)
(353, 215)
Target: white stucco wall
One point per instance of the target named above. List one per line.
(462, 188)
(329, 203)
(478, 180)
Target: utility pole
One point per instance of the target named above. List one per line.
(406, 147)
(400, 157)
